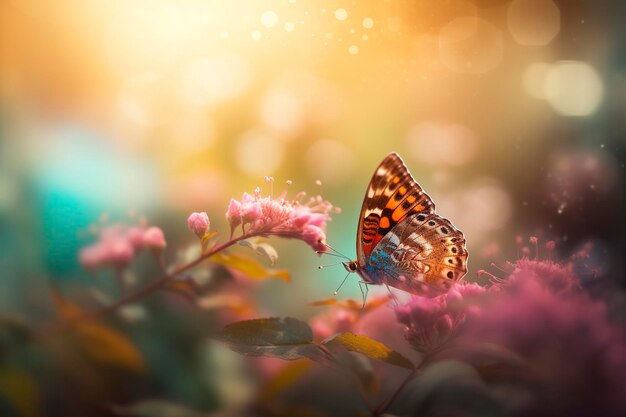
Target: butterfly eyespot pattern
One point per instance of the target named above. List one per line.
(401, 241)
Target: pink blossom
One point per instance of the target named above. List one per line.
(118, 244)
(431, 322)
(334, 321)
(198, 223)
(268, 216)
(556, 277)
(121, 252)
(577, 359)
(135, 236)
(154, 238)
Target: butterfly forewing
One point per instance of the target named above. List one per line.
(391, 197)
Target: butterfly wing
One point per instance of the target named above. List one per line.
(391, 197)
(425, 253)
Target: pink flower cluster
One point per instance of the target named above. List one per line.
(118, 244)
(267, 216)
(432, 322)
(577, 357)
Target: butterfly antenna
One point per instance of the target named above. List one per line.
(319, 252)
(341, 285)
(327, 266)
(335, 250)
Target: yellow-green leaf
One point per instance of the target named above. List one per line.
(353, 305)
(19, 390)
(108, 346)
(98, 342)
(249, 267)
(369, 347)
(208, 236)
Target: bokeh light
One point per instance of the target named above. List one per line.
(573, 88)
(533, 22)
(470, 45)
(207, 81)
(331, 161)
(441, 143)
(259, 153)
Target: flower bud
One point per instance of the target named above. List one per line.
(198, 223)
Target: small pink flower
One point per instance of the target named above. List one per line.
(233, 214)
(135, 236)
(91, 257)
(154, 238)
(121, 252)
(334, 321)
(198, 223)
(268, 216)
(118, 244)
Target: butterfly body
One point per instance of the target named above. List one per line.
(401, 241)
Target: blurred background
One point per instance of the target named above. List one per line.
(509, 113)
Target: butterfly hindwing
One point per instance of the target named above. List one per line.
(391, 197)
(424, 250)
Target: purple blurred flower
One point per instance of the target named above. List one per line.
(577, 358)
(432, 322)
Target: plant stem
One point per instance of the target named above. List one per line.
(384, 406)
(141, 292)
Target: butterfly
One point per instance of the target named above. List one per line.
(401, 241)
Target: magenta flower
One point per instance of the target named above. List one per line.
(267, 216)
(577, 358)
(556, 277)
(199, 223)
(432, 322)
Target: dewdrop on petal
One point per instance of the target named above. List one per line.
(199, 223)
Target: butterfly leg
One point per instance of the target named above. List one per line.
(364, 293)
(392, 295)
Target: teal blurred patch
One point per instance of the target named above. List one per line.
(82, 176)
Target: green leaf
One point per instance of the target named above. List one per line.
(369, 347)
(249, 267)
(284, 338)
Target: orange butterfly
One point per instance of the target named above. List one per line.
(401, 242)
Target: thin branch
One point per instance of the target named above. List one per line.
(384, 406)
(140, 293)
